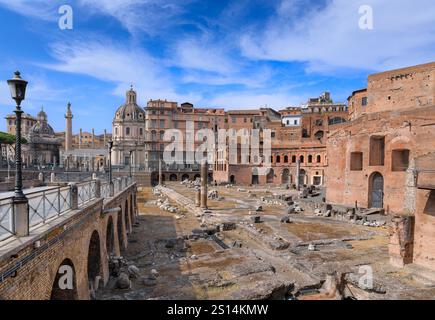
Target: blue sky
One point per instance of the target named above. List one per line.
(232, 54)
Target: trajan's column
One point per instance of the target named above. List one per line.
(68, 131)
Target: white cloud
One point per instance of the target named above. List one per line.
(41, 9)
(151, 16)
(329, 37)
(120, 65)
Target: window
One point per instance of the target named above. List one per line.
(301, 158)
(293, 159)
(245, 120)
(162, 123)
(127, 131)
(273, 134)
(296, 122)
(364, 101)
(400, 160)
(310, 159)
(318, 159)
(233, 119)
(278, 159)
(285, 159)
(319, 122)
(377, 151)
(141, 131)
(356, 161)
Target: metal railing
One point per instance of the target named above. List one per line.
(6, 218)
(49, 203)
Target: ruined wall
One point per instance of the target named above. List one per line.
(412, 87)
(412, 130)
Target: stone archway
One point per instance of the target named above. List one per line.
(110, 237)
(65, 283)
(127, 217)
(301, 177)
(270, 175)
(376, 190)
(197, 176)
(285, 176)
(232, 179)
(94, 261)
(120, 230)
(132, 218)
(173, 177)
(185, 177)
(255, 179)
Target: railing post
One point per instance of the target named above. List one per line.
(74, 196)
(21, 217)
(97, 188)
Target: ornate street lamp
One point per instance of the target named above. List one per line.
(18, 87)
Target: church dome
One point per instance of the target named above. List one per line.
(41, 127)
(130, 111)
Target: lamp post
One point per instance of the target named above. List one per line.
(18, 86)
(112, 190)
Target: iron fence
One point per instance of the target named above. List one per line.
(6, 218)
(44, 205)
(52, 202)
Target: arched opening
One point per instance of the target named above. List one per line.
(185, 177)
(319, 159)
(310, 159)
(197, 176)
(127, 217)
(270, 175)
(119, 227)
(376, 190)
(94, 261)
(285, 159)
(293, 159)
(278, 159)
(173, 177)
(232, 179)
(285, 176)
(110, 237)
(254, 179)
(301, 159)
(302, 177)
(132, 219)
(65, 283)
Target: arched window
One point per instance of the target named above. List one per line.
(310, 159)
(318, 159)
(116, 131)
(278, 159)
(286, 159)
(301, 158)
(293, 159)
(141, 131)
(127, 131)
